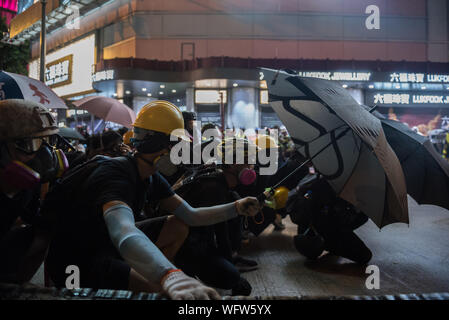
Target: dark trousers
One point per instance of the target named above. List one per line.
(100, 264)
(13, 246)
(212, 269)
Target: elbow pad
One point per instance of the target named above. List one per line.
(205, 216)
(134, 246)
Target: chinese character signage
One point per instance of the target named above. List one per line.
(395, 77)
(103, 75)
(419, 77)
(407, 99)
(59, 72)
(407, 77)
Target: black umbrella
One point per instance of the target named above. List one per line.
(426, 172)
(69, 133)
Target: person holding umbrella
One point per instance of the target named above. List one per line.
(28, 159)
(114, 251)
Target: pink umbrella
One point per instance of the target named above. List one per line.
(108, 109)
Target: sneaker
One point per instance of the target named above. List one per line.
(245, 265)
(242, 288)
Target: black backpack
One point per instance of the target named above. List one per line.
(67, 189)
(197, 176)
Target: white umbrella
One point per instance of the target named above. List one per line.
(16, 86)
(345, 143)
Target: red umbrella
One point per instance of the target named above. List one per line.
(108, 109)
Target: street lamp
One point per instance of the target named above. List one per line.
(42, 44)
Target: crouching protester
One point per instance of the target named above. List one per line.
(326, 222)
(208, 252)
(96, 230)
(28, 161)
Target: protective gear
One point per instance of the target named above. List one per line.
(205, 216)
(247, 176)
(149, 141)
(63, 163)
(179, 286)
(234, 148)
(280, 197)
(20, 176)
(127, 138)
(24, 119)
(264, 141)
(134, 246)
(31, 145)
(49, 163)
(164, 165)
(161, 116)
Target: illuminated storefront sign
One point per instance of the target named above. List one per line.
(406, 99)
(419, 78)
(338, 76)
(103, 75)
(59, 72)
(395, 77)
(439, 78)
(210, 96)
(69, 69)
(407, 77)
(264, 97)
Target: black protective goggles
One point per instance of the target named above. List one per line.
(153, 143)
(33, 144)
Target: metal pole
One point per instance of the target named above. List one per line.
(43, 44)
(222, 113)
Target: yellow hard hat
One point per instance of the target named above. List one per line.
(127, 137)
(161, 116)
(280, 197)
(264, 141)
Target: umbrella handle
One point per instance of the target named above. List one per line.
(265, 195)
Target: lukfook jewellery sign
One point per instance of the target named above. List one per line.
(59, 72)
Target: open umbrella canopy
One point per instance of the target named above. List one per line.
(426, 172)
(345, 143)
(16, 86)
(70, 133)
(108, 109)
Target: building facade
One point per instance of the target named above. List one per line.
(205, 55)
